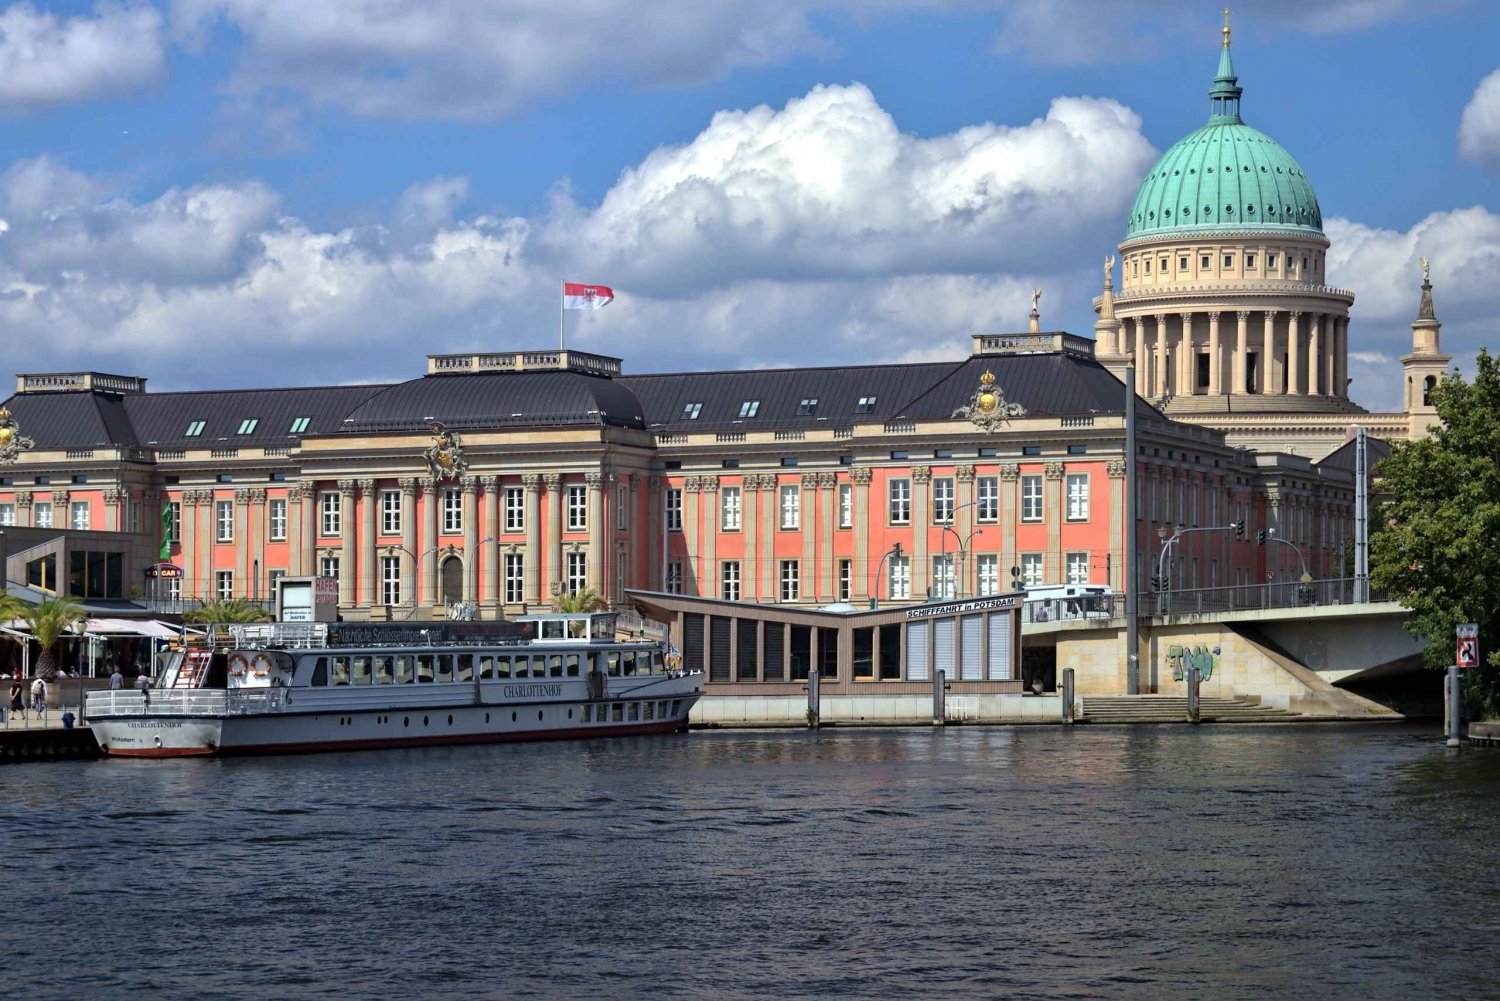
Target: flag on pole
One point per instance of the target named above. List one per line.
(578, 296)
(166, 532)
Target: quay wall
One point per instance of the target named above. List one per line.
(874, 710)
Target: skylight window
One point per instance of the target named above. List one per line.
(300, 424)
(749, 408)
(247, 426)
(866, 405)
(194, 429)
(691, 411)
(807, 407)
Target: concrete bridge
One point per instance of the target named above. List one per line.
(1305, 659)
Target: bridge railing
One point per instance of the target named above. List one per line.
(1269, 594)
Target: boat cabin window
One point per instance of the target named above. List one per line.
(445, 667)
(628, 661)
(552, 629)
(572, 665)
(613, 660)
(404, 675)
(361, 671)
(557, 665)
(384, 673)
(426, 668)
(465, 667)
(320, 672)
(340, 671)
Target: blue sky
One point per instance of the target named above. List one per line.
(237, 192)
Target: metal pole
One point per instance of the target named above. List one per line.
(1193, 678)
(1455, 707)
(1361, 519)
(1132, 571)
(939, 684)
(814, 699)
(1067, 694)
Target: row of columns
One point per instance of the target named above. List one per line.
(1167, 347)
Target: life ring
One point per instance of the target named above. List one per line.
(238, 664)
(261, 665)
(674, 660)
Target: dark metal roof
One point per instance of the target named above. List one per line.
(500, 399)
(162, 419)
(60, 420)
(1045, 384)
(1343, 456)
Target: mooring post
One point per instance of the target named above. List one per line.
(1067, 695)
(939, 686)
(1192, 683)
(814, 700)
(1453, 706)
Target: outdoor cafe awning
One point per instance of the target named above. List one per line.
(131, 627)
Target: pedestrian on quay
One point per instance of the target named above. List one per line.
(116, 680)
(17, 698)
(39, 697)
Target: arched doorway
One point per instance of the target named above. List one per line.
(453, 580)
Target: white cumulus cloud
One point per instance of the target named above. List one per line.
(1479, 128)
(47, 60)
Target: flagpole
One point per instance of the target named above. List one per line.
(562, 318)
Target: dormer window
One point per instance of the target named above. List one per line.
(808, 407)
(866, 405)
(691, 411)
(247, 426)
(300, 424)
(194, 429)
(749, 408)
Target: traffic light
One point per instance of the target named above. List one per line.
(1260, 537)
(1239, 528)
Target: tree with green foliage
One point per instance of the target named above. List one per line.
(50, 620)
(228, 610)
(585, 599)
(1435, 543)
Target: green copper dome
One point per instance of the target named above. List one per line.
(1226, 175)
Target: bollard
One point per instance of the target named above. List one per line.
(1067, 694)
(1192, 683)
(1454, 706)
(814, 700)
(939, 684)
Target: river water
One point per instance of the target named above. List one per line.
(1026, 862)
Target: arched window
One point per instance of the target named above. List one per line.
(453, 579)
(1428, 385)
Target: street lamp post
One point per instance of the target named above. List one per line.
(390, 550)
(895, 551)
(947, 526)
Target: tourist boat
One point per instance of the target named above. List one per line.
(278, 688)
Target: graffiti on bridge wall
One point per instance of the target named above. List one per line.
(1184, 658)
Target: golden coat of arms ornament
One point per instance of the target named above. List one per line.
(12, 441)
(445, 456)
(988, 409)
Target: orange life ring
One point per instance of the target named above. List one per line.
(238, 664)
(261, 665)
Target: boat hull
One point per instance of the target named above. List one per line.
(284, 732)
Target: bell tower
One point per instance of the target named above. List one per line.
(1426, 366)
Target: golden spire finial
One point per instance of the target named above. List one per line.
(1226, 12)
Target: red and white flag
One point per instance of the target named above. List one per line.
(577, 296)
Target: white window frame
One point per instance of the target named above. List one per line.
(987, 566)
(578, 572)
(944, 490)
(622, 507)
(673, 509)
(7, 515)
(224, 584)
(78, 516)
(1076, 488)
(846, 579)
(515, 578)
(223, 521)
(1033, 573)
(731, 513)
(578, 507)
(846, 505)
(41, 514)
(453, 511)
(944, 580)
(276, 515)
(987, 500)
(330, 514)
(515, 509)
(329, 565)
(898, 493)
(729, 580)
(790, 578)
(390, 514)
(1076, 568)
(674, 577)
(1033, 492)
(898, 586)
(790, 507)
(390, 580)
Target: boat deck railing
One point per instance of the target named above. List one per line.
(168, 702)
